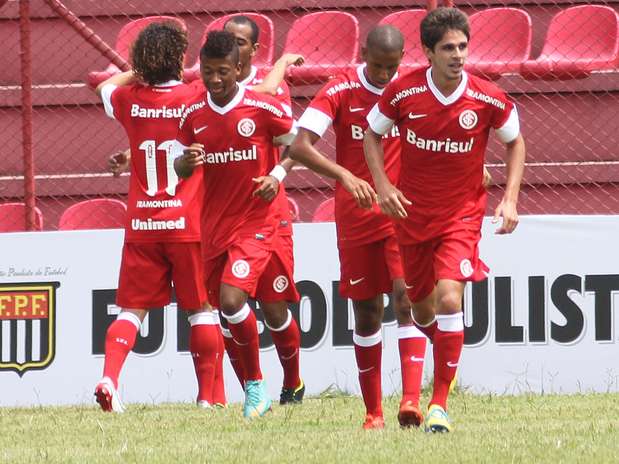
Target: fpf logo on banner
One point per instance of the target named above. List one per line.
(27, 326)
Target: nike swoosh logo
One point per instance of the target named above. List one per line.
(354, 110)
(288, 358)
(355, 282)
(199, 129)
(451, 364)
(408, 287)
(363, 371)
(416, 116)
(416, 359)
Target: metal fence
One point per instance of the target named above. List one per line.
(558, 61)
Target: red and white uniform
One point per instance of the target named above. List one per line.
(369, 258)
(162, 233)
(239, 232)
(443, 146)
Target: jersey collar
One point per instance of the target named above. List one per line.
(252, 75)
(365, 83)
(456, 93)
(172, 83)
(230, 105)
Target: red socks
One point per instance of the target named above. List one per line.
(412, 345)
(428, 330)
(203, 345)
(245, 333)
(287, 340)
(119, 340)
(448, 341)
(219, 390)
(368, 351)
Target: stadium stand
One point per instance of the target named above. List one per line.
(264, 55)
(408, 22)
(580, 40)
(500, 41)
(99, 213)
(329, 41)
(125, 38)
(13, 217)
(325, 211)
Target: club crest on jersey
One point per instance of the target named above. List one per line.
(466, 268)
(28, 321)
(280, 283)
(246, 127)
(468, 119)
(240, 269)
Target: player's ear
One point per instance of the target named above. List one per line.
(427, 51)
(364, 54)
(254, 49)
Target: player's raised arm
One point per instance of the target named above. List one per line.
(124, 78)
(507, 208)
(274, 78)
(390, 199)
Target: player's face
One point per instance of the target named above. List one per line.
(219, 76)
(449, 55)
(242, 33)
(381, 66)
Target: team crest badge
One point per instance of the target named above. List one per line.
(468, 119)
(280, 283)
(466, 268)
(246, 127)
(240, 269)
(27, 326)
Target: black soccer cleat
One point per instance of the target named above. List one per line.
(292, 395)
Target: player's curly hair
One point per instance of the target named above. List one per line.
(158, 54)
(440, 20)
(220, 44)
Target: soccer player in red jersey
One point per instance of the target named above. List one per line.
(162, 235)
(444, 116)
(370, 262)
(228, 134)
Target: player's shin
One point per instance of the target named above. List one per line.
(287, 340)
(203, 344)
(219, 391)
(244, 330)
(412, 346)
(448, 341)
(368, 352)
(119, 341)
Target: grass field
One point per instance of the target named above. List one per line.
(527, 429)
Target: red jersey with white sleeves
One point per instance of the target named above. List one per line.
(238, 141)
(160, 206)
(345, 103)
(443, 146)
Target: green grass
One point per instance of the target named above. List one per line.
(493, 429)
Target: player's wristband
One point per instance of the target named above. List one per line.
(279, 173)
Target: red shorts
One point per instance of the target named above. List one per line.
(454, 256)
(277, 281)
(241, 266)
(148, 270)
(370, 269)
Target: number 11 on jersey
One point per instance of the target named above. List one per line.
(149, 147)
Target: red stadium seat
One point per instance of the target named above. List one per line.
(294, 210)
(101, 213)
(580, 40)
(329, 41)
(124, 41)
(325, 211)
(408, 22)
(13, 217)
(500, 41)
(266, 39)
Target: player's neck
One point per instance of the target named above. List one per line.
(245, 72)
(443, 84)
(224, 100)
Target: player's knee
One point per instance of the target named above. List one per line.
(231, 304)
(368, 316)
(275, 315)
(449, 303)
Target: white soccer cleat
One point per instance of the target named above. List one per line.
(203, 404)
(107, 396)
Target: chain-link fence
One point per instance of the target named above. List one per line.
(557, 59)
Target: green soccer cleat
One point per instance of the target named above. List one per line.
(292, 395)
(437, 420)
(257, 401)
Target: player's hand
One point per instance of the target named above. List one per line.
(193, 155)
(362, 192)
(487, 179)
(118, 163)
(293, 59)
(507, 210)
(392, 201)
(268, 186)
